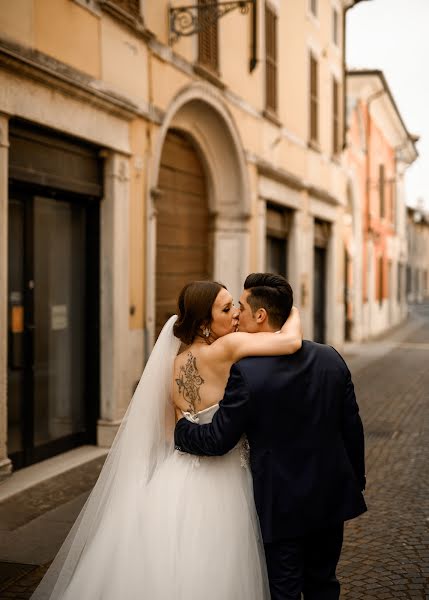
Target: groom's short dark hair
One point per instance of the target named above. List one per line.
(272, 292)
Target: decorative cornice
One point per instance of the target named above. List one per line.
(44, 69)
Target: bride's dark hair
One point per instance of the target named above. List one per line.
(194, 308)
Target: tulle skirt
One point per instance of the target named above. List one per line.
(193, 534)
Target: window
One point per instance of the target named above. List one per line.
(335, 118)
(381, 190)
(335, 26)
(208, 37)
(278, 225)
(313, 7)
(314, 100)
(270, 59)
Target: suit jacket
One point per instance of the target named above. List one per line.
(301, 418)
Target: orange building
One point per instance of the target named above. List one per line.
(379, 150)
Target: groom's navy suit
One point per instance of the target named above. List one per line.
(301, 418)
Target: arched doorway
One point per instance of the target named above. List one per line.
(183, 244)
(198, 112)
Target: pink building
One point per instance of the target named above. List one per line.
(379, 150)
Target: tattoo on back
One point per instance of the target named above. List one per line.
(189, 382)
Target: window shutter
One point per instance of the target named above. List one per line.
(314, 100)
(381, 186)
(335, 26)
(208, 37)
(335, 118)
(270, 59)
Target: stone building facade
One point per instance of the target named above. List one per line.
(379, 150)
(133, 159)
(417, 281)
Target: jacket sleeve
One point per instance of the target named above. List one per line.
(353, 434)
(229, 422)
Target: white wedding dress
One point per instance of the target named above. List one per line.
(161, 524)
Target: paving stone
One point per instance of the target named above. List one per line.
(390, 543)
(386, 550)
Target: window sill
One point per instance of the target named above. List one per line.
(210, 75)
(271, 116)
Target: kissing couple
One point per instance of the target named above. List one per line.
(245, 496)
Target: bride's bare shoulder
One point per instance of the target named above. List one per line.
(226, 346)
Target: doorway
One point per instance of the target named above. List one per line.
(321, 239)
(184, 238)
(52, 323)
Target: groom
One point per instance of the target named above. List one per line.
(301, 418)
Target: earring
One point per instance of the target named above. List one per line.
(206, 332)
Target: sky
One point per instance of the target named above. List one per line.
(393, 35)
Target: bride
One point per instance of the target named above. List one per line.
(159, 524)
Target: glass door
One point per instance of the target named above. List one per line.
(59, 320)
(48, 400)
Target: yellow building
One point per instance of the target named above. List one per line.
(134, 158)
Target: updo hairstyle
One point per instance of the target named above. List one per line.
(194, 309)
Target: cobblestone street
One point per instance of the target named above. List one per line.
(386, 551)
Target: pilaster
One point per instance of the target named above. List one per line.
(5, 463)
(115, 392)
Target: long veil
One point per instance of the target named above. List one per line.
(143, 442)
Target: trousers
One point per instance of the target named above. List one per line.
(305, 565)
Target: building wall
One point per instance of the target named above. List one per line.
(375, 131)
(117, 81)
(418, 255)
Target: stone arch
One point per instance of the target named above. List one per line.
(200, 112)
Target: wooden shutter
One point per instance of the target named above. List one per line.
(278, 222)
(208, 37)
(321, 234)
(335, 26)
(314, 100)
(270, 59)
(335, 118)
(381, 186)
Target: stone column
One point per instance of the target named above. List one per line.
(115, 392)
(5, 463)
(231, 253)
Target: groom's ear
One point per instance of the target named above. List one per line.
(261, 316)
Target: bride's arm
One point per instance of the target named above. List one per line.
(287, 341)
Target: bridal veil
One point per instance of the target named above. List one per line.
(143, 442)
